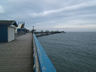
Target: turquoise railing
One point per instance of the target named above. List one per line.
(45, 64)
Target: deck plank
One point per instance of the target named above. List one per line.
(16, 56)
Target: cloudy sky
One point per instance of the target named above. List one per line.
(67, 15)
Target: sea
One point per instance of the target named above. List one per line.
(71, 51)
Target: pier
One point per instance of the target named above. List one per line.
(24, 54)
(40, 34)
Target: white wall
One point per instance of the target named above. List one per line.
(11, 34)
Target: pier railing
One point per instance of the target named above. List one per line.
(41, 61)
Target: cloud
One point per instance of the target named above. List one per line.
(67, 8)
(1, 9)
(51, 13)
(75, 26)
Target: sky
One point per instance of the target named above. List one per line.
(67, 15)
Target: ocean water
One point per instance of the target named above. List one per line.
(71, 52)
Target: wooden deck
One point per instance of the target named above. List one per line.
(16, 56)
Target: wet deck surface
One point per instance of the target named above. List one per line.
(16, 56)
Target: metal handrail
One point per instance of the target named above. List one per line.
(45, 64)
(36, 66)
